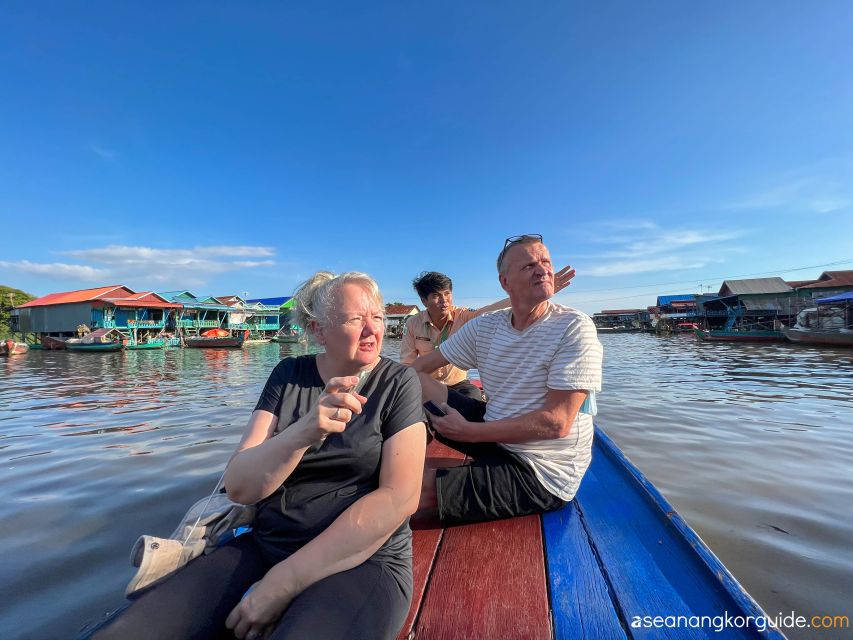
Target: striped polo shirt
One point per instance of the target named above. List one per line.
(559, 351)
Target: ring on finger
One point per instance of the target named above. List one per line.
(337, 412)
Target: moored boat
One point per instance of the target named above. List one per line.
(715, 335)
(828, 337)
(830, 323)
(217, 342)
(605, 566)
(159, 343)
(53, 343)
(98, 341)
(95, 347)
(12, 348)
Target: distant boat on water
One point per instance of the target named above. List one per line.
(99, 341)
(158, 343)
(12, 348)
(830, 323)
(215, 341)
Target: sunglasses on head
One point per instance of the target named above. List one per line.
(514, 240)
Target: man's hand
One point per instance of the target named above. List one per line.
(563, 278)
(455, 427)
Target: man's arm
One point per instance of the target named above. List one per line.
(430, 362)
(552, 421)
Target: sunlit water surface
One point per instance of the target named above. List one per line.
(751, 443)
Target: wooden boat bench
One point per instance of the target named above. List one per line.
(586, 571)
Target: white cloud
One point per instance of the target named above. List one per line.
(190, 267)
(58, 270)
(625, 267)
(821, 190)
(651, 248)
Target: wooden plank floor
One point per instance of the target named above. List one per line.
(488, 581)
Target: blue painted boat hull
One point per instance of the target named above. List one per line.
(620, 552)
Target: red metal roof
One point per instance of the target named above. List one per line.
(81, 295)
(832, 279)
(399, 309)
(147, 299)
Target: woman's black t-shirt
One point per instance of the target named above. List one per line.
(331, 477)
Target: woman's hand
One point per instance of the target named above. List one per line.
(336, 407)
(261, 607)
(563, 278)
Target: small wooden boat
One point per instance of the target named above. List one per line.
(828, 337)
(98, 341)
(603, 567)
(217, 342)
(12, 348)
(287, 335)
(73, 344)
(159, 343)
(53, 343)
(740, 336)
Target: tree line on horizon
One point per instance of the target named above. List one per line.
(10, 298)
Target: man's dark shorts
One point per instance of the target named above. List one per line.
(496, 484)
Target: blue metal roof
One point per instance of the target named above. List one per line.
(273, 302)
(841, 297)
(664, 300)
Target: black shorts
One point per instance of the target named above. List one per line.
(496, 484)
(466, 389)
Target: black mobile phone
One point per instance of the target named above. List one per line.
(434, 409)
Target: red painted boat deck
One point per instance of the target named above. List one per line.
(484, 580)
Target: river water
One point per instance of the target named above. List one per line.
(751, 443)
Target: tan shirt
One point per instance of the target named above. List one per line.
(421, 336)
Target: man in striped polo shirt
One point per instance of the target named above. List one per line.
(540, 365)
(441, 319)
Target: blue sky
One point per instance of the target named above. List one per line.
(238, 147)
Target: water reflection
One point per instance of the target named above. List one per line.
(750, 442)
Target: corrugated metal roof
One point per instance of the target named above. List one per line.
(754, 286)
(400, 309)
(665, 300)
(830, 279)
(144, 299)
(81, 295)
(277, 302)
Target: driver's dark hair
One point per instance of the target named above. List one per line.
(428, 282)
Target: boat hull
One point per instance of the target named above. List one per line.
(740, 336)
(230, 342)
(819, 337)
(154, 344)
(11, 348)
(49, 342)
(95, 348)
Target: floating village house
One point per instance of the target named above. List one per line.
(284, 307)
(623, 319)
(830, 283)
(138, 315)
(198, 313)
(262, 320)
(756, 303)
(396, 316)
